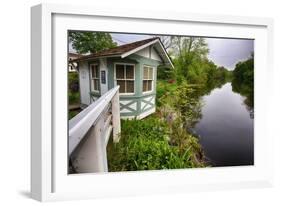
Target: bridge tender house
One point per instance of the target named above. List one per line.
(131, 66)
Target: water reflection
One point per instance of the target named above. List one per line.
(247, 91)
(226, 128)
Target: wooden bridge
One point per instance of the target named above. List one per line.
(90, 130)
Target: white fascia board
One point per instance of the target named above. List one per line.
(166, 54)
(138, 48)
(146, 45)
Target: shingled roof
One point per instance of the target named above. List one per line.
(117, 50)
(125, 49)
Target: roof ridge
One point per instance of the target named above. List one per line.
(150, 39)
(119, 49)
(124, 45)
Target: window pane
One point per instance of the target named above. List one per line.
(149, 85)
(95, 71)
(129, 72)
(145, 73)
(130, 86)
(150, 74)
(122, 86)
(144, 85)
(120, 71)
(96, 84)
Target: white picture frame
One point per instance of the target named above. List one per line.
(49, 178)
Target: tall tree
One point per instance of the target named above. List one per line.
(190, 58)
(90, 42)
(166, 41)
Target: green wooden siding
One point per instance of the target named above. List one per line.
(138, 98)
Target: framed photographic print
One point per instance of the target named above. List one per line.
(136, 103)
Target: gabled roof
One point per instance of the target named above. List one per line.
(73, 56)
(128, 49)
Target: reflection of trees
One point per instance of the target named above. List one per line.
(243, 82)
(210, 86)
(246, 91)
(188, 100)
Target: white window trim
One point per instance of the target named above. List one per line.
(91, 76)
(115, 79)
(153, 80)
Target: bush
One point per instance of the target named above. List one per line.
(145, 145)
(165, 73)
(73, 97)
(187, 102)
(73, 113)
(164, 88)
(73, 88)
(73, 81)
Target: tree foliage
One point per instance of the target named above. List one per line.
(90, 42)
(190, 56)
(243, 80)
(189, 53)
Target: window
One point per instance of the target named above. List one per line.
(147, 83)
(125, 78)
(95, 77)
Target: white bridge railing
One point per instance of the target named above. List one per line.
(89, 132)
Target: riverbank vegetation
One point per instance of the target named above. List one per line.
(243, 80)
(164, 140)
(153, 144)
(73, 93)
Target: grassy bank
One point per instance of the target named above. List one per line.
(150, 144)
(160, 141)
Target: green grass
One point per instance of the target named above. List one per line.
(72, 113)
(73, 97)
(164, 89)
(73, 88)
(147, 145)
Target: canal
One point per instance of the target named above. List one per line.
(226, 128)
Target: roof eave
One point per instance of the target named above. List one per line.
(93, 58)
(138, 48)
(146, 45)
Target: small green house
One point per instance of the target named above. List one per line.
(132, 66)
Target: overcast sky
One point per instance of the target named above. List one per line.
(223, 52)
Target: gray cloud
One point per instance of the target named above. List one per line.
(223, 52)
(228, 52)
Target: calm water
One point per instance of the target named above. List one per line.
(226, 128)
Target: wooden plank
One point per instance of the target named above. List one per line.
(81, 123)
(107, 121)
(90, 156)
(74, 107)
(107, 134)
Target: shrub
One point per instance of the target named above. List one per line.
(164, 89)
(73, 88)
(187, 102)
(73, 97)
(73, 81)
(145, 145)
